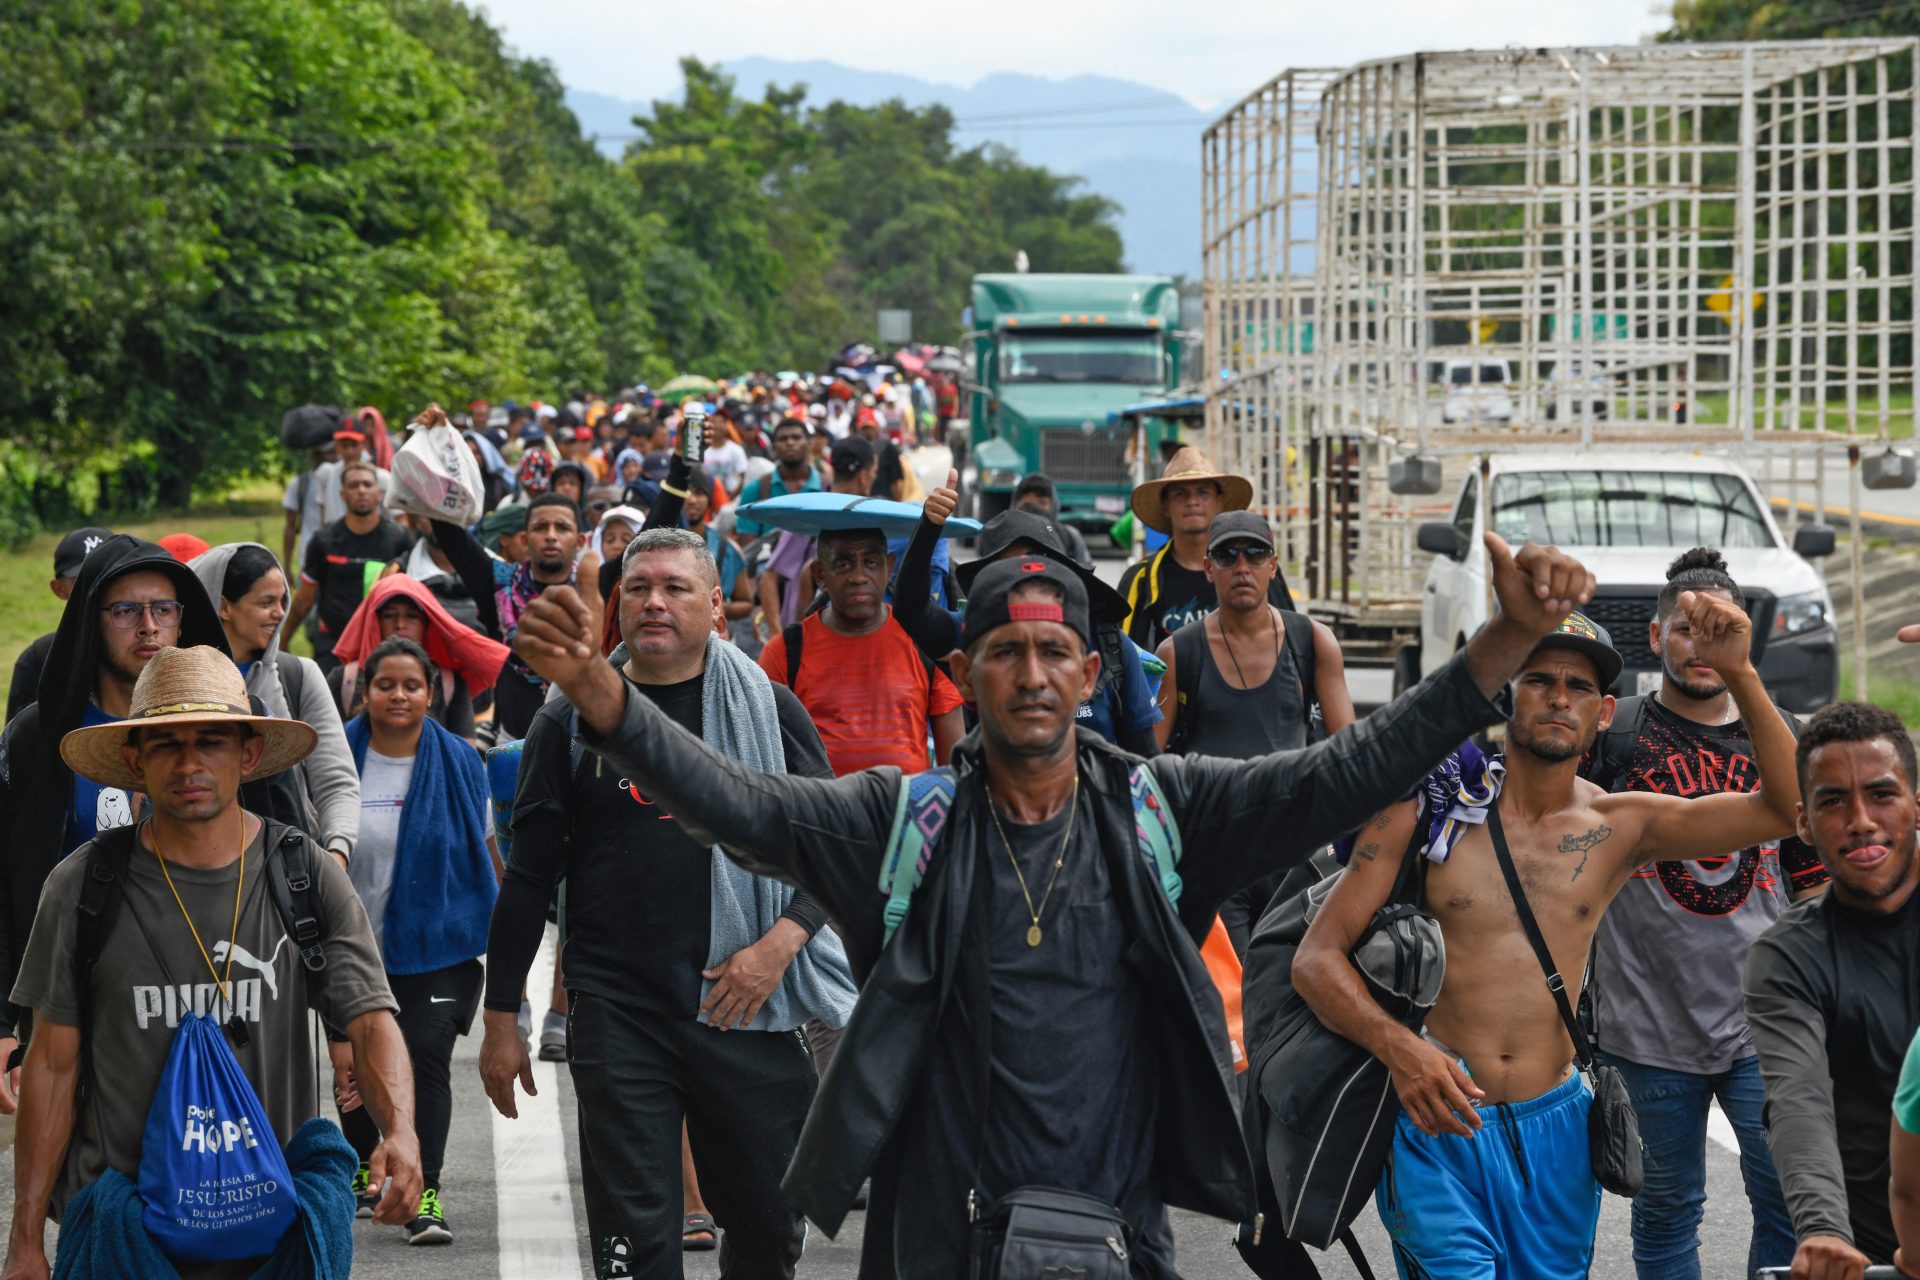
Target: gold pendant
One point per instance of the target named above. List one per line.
(1033, 936)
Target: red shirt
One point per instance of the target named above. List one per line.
(871, 697)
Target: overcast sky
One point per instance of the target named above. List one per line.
(1210, 52)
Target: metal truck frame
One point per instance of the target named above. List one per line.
(1674, 246)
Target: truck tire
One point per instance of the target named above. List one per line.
(1406, 668)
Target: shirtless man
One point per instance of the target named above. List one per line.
(1457, 1200)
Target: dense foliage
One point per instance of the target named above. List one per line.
(213, 209)
(1799, 20)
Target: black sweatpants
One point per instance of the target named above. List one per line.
(743, 1096)
(436, 1009)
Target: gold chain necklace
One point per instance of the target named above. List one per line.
(224, 983)
(1033, 931)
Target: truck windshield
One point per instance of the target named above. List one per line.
(1627, 509)
(1092, 356)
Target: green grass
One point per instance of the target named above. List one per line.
(29, 610)
(1898, 695)
(1710, 408)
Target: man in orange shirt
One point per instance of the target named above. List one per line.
(871, 694)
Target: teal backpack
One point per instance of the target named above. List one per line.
(926, 799)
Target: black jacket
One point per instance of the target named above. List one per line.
(36, 787)
(1239, 819)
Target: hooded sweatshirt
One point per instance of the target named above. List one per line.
(36, 787)
(329, 783)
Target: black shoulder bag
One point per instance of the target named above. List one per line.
(1613, 1130)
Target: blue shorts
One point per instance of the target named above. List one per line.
(1517, 1200)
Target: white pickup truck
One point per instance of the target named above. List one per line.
(1627, 515)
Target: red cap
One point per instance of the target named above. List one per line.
(183, 546)
(348, 433)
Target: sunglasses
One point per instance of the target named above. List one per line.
(1252, 552)
(126, 614)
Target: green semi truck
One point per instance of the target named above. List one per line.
(1053, 356)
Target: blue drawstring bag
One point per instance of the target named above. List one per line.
(212, 1176)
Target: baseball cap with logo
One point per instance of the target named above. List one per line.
(991, 602)
(74, 549)
(1582, 634)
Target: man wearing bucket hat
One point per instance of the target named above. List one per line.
(977, 971)
(1170, 588)
(1491, 1156)
(192, 927)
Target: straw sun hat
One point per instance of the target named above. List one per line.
(199, 685)
(1186, 467)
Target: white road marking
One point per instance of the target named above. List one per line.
(538, 1237)
(1720, 1129)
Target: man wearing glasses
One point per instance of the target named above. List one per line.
(130, 599)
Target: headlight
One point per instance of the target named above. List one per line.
(1796, 614)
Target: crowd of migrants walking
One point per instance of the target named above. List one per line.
(1036, 906)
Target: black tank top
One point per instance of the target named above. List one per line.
(1240, 723)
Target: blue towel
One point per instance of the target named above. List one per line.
(443, 882)
(101, 1233)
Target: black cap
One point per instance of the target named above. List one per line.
(991, 603)
(1582, 634)
(699, 481)
(73, 549)
(1235, 526)
(850, 456)
(1015, 525)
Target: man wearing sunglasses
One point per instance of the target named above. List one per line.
(1249, 678)
(129, 600)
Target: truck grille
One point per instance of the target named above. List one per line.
(1076, 457)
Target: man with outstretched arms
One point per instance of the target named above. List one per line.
(1490, 1170)
(1047, 954)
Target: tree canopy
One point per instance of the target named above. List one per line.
(211, 210)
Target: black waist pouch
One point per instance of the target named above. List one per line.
(1041, 1233)
(1613, 1133)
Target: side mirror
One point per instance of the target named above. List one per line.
(1812, 541)
(1413, 476)
(1440, 539)
(1890, 470)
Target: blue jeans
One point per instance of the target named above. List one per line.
(1672, 1106)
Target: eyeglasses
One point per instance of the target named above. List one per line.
(126, 614)
(1252, 552)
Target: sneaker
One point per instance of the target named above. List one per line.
(526, 1020)
(553, 1037)
(364, 1199)
(429, 1226)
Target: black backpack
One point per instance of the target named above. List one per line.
(290, 864)
(1186, 677)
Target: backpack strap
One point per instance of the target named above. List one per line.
(1613, 749)
(293, 682)
(792, 635)
(1113, 656)
(1299, 642)
(100, 895)
(290, 881)
(919, 815)
(1154, 830)
(1189, 651)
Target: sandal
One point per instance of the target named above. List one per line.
(698, 1234)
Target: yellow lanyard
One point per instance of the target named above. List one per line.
(224, 983)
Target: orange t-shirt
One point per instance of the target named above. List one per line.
(871, 697)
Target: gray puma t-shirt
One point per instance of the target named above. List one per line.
(141, 988)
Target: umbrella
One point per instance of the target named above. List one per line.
(910, 360)
(948, 361)
(815, 513)
(685, 386)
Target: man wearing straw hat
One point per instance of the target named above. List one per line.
(1170, 588)
(195, 930)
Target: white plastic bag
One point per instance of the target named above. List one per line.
(435, 475)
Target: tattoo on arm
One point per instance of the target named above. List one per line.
(1368, 851)
(1583, 844)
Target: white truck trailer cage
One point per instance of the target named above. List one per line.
(1699, 246)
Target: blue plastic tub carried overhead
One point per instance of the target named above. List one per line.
(814, 513)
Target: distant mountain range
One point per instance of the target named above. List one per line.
(1134, 144)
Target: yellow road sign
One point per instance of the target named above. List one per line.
(1721, 300)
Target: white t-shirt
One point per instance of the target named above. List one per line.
(383, 797)
(727, 463)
